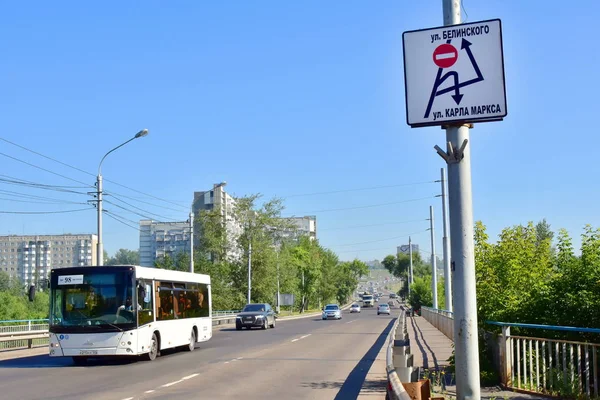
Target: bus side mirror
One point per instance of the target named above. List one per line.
(31, 293)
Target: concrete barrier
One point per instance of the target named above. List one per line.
(396, 373)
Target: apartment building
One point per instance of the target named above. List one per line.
(158, 239)
(31, 257)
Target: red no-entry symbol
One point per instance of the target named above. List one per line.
(445, 55)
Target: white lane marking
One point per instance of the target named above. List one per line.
(226, 362)
(128, 398)
(305, 336)
(239, 358)
(349, 322)
(150, 391)
(189, 377)
(172, 383)
(295, 340)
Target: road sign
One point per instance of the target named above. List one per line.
(454, 74)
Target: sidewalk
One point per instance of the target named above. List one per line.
(431, 349)
(10, 354)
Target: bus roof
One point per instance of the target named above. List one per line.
(150, 273)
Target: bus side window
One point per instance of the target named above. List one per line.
(145, 306)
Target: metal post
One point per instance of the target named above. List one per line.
(191, 242)
(278, 295)
(433, 260)
(249, 271)
(99, 248)
(410, 276)
(463, 263)
(446, 244)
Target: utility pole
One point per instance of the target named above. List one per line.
(99, 246)
(446, 245)
(278, 295)
(249, 270)
(460, 202)
(410, 277)
(433, 260)
(192, 242)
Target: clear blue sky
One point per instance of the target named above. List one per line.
(287, 98)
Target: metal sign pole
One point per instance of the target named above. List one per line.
(462, 247)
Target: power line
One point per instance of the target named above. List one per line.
(380, 240)
(358, 190)
(113, 216)
(40, 186)
(43, 184)
(115, 194)
(46, 212)
(363, 250)
(43, 169)
(141, 209)
(86, 172)
(34, 197)
(368, 226)
(128, 210)
(41, 202)
(367, 206)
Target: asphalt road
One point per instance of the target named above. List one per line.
(299, 359)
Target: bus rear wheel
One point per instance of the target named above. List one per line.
(151, 355)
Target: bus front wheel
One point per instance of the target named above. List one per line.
(192, 344)
(151, 355)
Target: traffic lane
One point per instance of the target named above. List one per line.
(330, 363)
(21, 378)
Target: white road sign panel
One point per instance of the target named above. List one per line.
(454, 74)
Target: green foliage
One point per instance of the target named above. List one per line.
(124, 257)
(522, 278)
(306, 269)
(14, 303)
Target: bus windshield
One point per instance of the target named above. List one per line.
(95, 300)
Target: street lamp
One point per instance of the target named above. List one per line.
(99, 247)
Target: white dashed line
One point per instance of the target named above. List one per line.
(189, 377)
(172, 383)
(150, 391)
(305, 336)
(295, 340)
(349, 322)
(128, 398)
(226, 362)
(239, 358)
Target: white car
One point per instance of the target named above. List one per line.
(332, 311)
(383, 309)
(355, 308)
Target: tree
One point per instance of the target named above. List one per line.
(124, 257)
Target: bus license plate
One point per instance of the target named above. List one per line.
(88, 352)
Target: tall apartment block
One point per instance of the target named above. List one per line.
(31, 257)
(158, 239)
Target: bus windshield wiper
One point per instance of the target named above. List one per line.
(108, 323)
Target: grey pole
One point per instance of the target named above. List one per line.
(410, 276)
(446, 244)
(191, 242)
(433, 260)
(99, 247)
(278, 295)
(460, 201)
(249, 270)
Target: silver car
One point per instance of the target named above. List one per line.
(355, 308)
(383, 309)
(332, 311)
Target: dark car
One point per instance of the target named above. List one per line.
(259, 315)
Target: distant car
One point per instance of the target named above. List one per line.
(393, 295)
(383, 309)
(259, 315)
(332, 311)
(355, 308)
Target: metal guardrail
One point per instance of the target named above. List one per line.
(395, 388)
(34, 332)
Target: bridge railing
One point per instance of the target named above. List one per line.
(34, 332)
(557, 367)
(549, 366)
(441, 319)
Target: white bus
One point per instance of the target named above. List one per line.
(126, 310)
